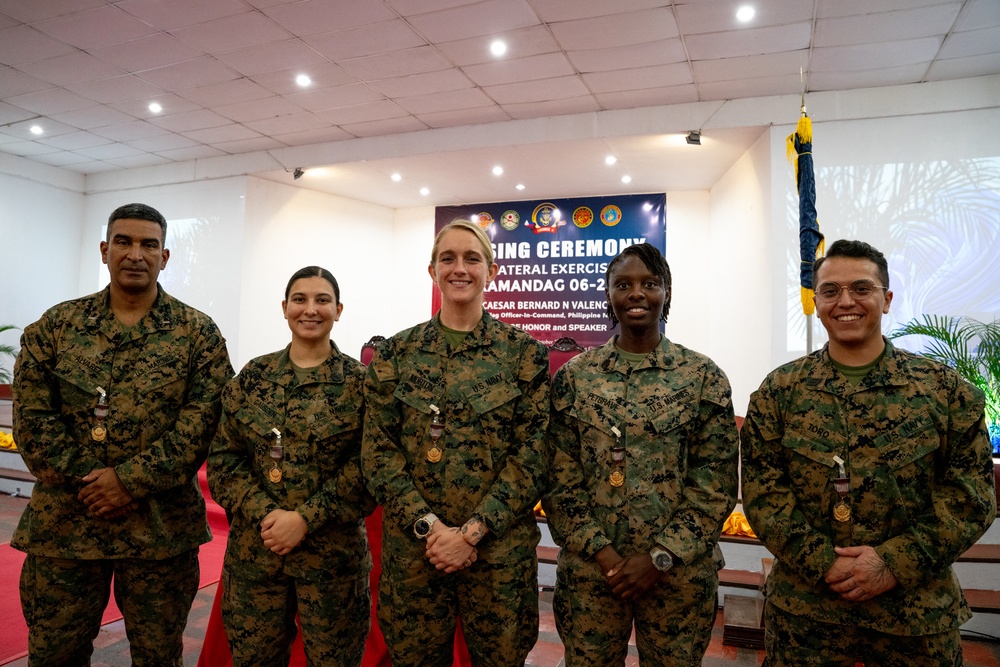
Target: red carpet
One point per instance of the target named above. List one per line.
(14, 639)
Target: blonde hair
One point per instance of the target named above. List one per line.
(484, 240)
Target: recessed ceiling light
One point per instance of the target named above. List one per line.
(396, 177)
(745, 13)
(498, 47)
(497, 170)
(155, 107)
(303, 80)
(36, 129)
(610, 160)
(519, 186)
(626, 179)
(424, 191)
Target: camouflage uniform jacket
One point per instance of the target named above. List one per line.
(674, 411)
(913, 435)
(320, 424)
(492, 391)
(163, 378)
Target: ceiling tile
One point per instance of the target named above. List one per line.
(117, 89)
(842, 59)
(661, 76)
(61, 159)
(16, 82)
(274, 57)
(29, 12)
(50, 101)
(145, 53)
(231, 33)
(716, 16)
(541, 109)
(190, 120)
(22, 129)
(634, 99)
(647, 54)
(360, 113)
(12, 114)
(366, 40)
(139, 108)
(96, 167)
(979, 14)
(164, 142)
(869, 78)
(313, 136)
(28, 148)
(214, 135)
(521, 43)
(834, 8)
(170, 14)
(23, 44)
(737, 87)
(7, 22)
(107, 151)
(458, 116)
(617, 30)
(136, 161)
(323, 76)
(192, 153)
(749, 67)
(411, 7)
(287, 124)
(971, 43)
(750, 42)
(76, 67)
(311, 17)
(75, 140)
(875, 27)
(131, 132)
(441, 81)
(552, 11)
(387, 126)
(396, 63)
(544, 66)
(482, 18)
(337, 96)
(260, 143)
(95, 28)
(258, 109)
(91, 117)
(954, 68)
(225, 92)
(545, 90)
(189, 74)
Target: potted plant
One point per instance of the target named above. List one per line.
(7, 351)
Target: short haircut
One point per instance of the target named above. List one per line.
(856, 250)
(484, 240)
(313, 272)
(138, 212)
(655, 262)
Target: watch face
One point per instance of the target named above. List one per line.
(663, 562)
(422, 527)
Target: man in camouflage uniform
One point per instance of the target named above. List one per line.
(116, 398)
(867, 473)
(483, 470)
(318, 411)
(643, 449)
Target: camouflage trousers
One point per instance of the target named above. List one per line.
(673, 622)
(260, 619)
(801, 642)
(63, 601)
(497, 602)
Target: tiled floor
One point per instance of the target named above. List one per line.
(112, 647)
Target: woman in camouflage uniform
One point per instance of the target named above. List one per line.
(457, 413)
(285, 465)
(643, 447)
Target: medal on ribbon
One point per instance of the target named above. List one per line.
(434, 452)
(842, 484)
(99, 432)
(277, 453)
(617, 476)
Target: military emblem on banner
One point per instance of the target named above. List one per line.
(510, 220)
(484, 220)
(545, 218)
(611, 215)
(582, 217)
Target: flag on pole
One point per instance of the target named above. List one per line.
(811, 241)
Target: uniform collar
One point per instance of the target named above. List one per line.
(281, 371)
(159, 317)
(890, 372)
(482, 335)
(610, 361)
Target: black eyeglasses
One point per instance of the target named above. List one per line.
(860, 290)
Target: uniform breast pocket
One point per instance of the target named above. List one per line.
(597, 436)
(673, 427)
(810, 466)
(910, 459)
(336, 436)
(495, 407)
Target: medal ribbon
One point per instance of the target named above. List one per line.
(99, 431)
(436, 431)
(277, 454)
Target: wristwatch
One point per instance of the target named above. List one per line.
(422, 526)
(662, 560)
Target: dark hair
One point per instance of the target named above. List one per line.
(138, 212)
(856, 250)
(654, 261)
(313, 272)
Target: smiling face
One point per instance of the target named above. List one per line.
(854, 326)
(135, 255)
(311, 309)
(636, 295)
(460, 268)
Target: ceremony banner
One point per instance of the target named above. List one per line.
(553, 255)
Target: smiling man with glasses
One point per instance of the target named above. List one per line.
(867, 473)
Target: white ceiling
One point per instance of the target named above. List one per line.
(224, 72)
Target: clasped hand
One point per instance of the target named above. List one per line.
(859, 574)
(630, 578)
(283, 530)
(105, 495)
(447, 549)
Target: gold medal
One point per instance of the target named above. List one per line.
(842, 512)
(434, 454)
(98, 433)
(617, 477)
(274, 474)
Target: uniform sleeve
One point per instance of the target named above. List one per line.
(231, 477)
(567, 503)
(44, 440)
(768, 499)
(174, 458)
(710, 484)
(521, 482)
(383, 461)
(963, 500)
